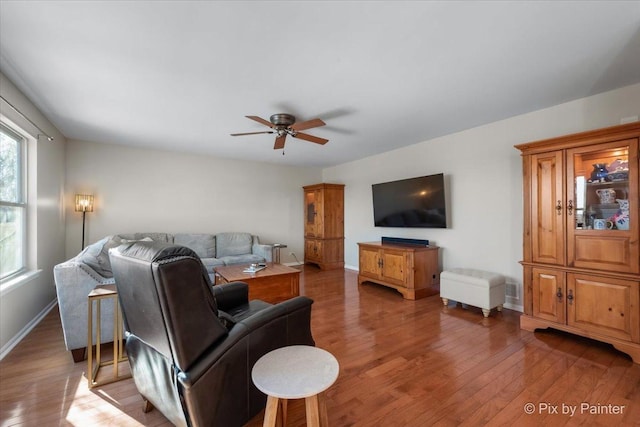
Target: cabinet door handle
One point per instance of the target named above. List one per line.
(559, 207)
(570, 207)
(559, 294)
(570, 296)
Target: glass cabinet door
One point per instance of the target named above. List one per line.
(602, 206)
(601, 189)
(310, 213)
(311, 208)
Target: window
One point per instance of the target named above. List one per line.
(13, 203)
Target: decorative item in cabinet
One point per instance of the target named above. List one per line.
(605, 210)
(581, 264)
(621, 217)
(618, 170)
(599, 173)
(607, 196)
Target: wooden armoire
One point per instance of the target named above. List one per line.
(324, 225)
(581, 250)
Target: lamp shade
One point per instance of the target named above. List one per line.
(84, 203)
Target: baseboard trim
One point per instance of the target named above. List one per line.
(513, 307)
(351, 267)
(292, 264)
(6, 349)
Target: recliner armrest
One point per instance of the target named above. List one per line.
(295, 312)
(283, 308)
(229, 295)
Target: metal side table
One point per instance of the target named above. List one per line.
(96, 296)
(276, 252)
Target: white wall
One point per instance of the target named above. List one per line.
(22, 304)
(139, 190)
(483, 176)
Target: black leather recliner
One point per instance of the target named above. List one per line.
(192, 346)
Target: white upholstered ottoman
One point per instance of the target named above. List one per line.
(473, 287)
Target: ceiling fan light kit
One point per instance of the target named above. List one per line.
(284, 124)
(282, 119)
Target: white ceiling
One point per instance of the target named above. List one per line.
(182, 75)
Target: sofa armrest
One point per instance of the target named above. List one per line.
(74, 280)
(263, 250)
(229, 295)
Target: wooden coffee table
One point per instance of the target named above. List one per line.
(273, 284)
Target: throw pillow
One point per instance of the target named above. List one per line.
(96, 255)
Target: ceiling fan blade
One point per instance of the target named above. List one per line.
(260, 120)
(251, 133)
(279, 142)
(310, 138)
(314, 123)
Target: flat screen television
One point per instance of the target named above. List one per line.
(414, 202)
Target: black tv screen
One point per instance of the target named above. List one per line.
(414, 202)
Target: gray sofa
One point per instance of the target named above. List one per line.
(76, 277)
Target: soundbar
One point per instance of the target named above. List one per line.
(402, 241)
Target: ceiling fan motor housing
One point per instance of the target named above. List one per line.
(282, 119)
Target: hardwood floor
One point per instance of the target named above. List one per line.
(402, 363)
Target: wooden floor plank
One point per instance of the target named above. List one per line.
(402, 363)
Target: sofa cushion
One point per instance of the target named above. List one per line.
(202, 244)
(233, 244)
(96, 255)
(241, 259)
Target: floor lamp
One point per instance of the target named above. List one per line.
(84, 204)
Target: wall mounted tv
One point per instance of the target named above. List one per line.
(414, 202)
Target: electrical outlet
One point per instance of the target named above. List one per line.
(292, 254)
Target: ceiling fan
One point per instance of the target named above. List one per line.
(285, 124)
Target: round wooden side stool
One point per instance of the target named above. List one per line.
(295, 372)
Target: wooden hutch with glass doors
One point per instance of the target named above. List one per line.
(581, 245)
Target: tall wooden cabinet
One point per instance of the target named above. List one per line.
(410, 269)
(324, 225)
(581, 247)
